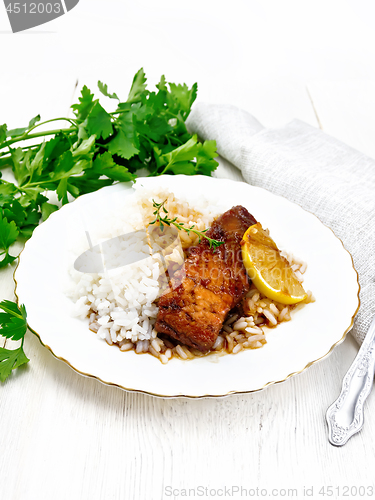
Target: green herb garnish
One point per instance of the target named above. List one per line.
(164, 219)
(13, 325)
(145, 135)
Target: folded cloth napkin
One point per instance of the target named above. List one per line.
(310, 168)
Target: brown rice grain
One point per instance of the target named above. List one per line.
(231, 319)
(181, 352)
(219, 342)
(239, 325)
(253, 330)
(155, 345)
(274, 309)
(230, 343)
(283, 313)
(239, 337)
(227, 329)
(153, 351)
(242, 339)
(271, 318)
(187, 352)
(255, 338)
(164, 359)
(127, 346)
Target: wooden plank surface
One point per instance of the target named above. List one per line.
(65, 436)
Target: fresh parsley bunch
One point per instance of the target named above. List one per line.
(145, 135)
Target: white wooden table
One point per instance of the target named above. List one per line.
(63, 436)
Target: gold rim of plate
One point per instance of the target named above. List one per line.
(274, 382)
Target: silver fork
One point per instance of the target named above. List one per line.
(345, 415)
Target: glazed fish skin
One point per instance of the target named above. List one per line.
(210, 284)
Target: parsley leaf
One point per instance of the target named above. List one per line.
(10, 360)
(13, 325)
(48, 209)
(104, 165)
(7, 193)
(99, 122)
(34, 120)
(8, 259)
(138, 87)
(122, 146)
(8, 235)
(67, 166)
(14, 212)
(162, 84)
(103, 87)
(86, 103)
(35, 165)
(205, 162)
(3, 133)
(20, 161)
(12, 308)
(21, 131)
(181, 98)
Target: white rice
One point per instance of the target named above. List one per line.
(120, 301)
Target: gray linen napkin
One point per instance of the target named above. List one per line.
(310, 168)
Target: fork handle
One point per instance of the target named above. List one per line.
(345, 415)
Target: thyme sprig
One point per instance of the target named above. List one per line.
(165, 219)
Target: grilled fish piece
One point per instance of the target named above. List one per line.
(209, 285)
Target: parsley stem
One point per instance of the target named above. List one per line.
(3, 161)
(165, 169)
(28, 136)
(70, 120)
(5, 153)
(32, 184)
(150, 141)
(7, 182)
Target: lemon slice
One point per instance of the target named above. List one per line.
(270, 272)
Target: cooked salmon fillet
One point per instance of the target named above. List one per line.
(209, 285)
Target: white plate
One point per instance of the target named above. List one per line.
(293, 346)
